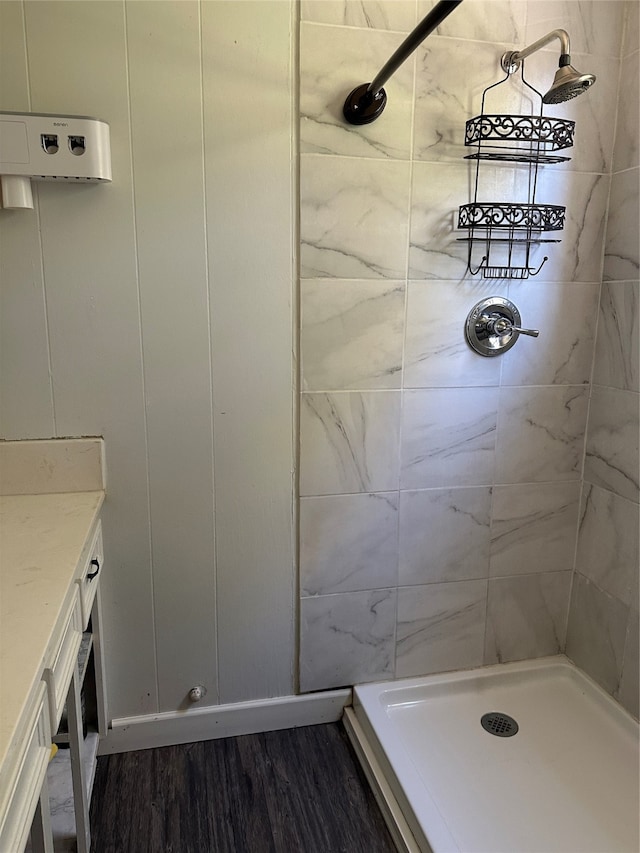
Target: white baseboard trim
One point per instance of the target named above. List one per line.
(403, 838)
(217, 721)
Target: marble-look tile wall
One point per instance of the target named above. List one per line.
(603, 619)
(440, 491)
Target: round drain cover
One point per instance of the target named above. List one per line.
(498, 724)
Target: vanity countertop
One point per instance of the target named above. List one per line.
(42, 540)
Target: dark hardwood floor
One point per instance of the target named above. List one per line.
(294, 791)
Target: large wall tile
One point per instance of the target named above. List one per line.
(533, 528)
(608, 542)
(617, 360)
(526, 616)
(579, 256)
(565, 314)
(596, 632)
(353, 217)
(448, 437)
(436, 353)
(621, 253)
(333, 61)
(438, 189)
(444, 535)
(498, 20)
(346, 639)
(540, 434)
(626, 152)
(349, 442)
(447, 95)
(351, 335)
(612, 441)
(628, 692)
(378, 14)
(348, 543)
(595, 26)
(440, 627)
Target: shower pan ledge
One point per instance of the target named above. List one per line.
(567, 780)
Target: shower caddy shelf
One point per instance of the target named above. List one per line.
(513, 227)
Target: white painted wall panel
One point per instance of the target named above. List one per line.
(77, 65)
(26, 405)
(133, 327)
(169, 201)
(248, 143)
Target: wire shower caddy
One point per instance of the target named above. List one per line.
(509, 230)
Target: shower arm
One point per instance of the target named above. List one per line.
(511, 59)
(365, 103)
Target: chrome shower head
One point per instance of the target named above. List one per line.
(568, 83)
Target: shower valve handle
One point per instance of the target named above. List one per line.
(533, 333)
(493, 326)
(504, 326)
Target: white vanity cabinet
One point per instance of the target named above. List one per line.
(22, 778)
(59, 664)
(51, 565)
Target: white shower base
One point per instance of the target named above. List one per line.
(567, 781)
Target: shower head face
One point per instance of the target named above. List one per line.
(567, 84)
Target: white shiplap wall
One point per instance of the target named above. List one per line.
(157, 311)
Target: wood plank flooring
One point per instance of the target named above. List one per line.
(294, 791)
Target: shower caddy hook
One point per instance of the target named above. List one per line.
(509, 230)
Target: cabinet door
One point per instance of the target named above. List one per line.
(20, 786)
